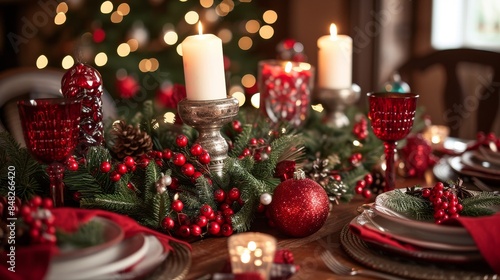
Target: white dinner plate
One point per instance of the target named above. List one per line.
(153, 257)
(112, 234)
(421, 238)
(114, 259)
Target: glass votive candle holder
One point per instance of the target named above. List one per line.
(436, 135)
(285, 90)
(252, 252)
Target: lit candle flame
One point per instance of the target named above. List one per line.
(200, 28)
(333, 31)
(288, 67)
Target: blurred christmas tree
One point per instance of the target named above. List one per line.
(135, 44)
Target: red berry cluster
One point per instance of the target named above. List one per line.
(445, 202)
(487, 139)
(355, 159)
(72, 164)
(216, 223)
(360, 129)
(257, 148)
(237, 126)
(36, 217)
(363, 186)
(127, 165)
(192, 162)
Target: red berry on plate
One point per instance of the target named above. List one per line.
(177, 205)
(168, 223)
(206, 210)
(195, 230)
(213, 228)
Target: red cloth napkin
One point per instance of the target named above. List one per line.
(369, 234)
(32, 262)
(486, 233)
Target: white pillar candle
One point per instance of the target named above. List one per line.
(334, 60)
(204, 67)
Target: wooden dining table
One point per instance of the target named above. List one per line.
(211, 254)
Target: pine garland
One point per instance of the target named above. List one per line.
(480, 204)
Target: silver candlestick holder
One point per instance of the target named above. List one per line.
(208, 117)
(335, 101)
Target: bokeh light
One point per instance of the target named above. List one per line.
(179, 49)
(123, 9)
(60, 18)
(266, 32)
(255, 100)
(62, 8)
(133, 44)
(225, 35)
(42, 61)
(116, 17)
(101, 59)
(206, 3)
(170, 37)
(67, 62)
(252, 26)
(270, 16)
(123, 49)
(245, 43)
(191, 17)
(106, 7)
(248, 80)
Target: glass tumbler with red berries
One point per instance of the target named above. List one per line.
(51, 128)
(391, 115)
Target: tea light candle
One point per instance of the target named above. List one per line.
(203, 61)
(334, 60)
(252, 252)
(436, 135)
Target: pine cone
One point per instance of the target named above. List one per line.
(130, 141)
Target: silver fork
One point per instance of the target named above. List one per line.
(338, 268)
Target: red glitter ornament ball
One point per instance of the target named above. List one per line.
(299, 207)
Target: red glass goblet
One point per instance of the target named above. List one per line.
(51, 128)
(391, 115)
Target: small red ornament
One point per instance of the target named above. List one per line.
(417, 156)
(284, 170)
(299, 207)
(73, 166)
(169, 95)
(127, 87)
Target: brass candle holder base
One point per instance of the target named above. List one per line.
(208, 117)
(335, 101)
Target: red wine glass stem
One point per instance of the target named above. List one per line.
(56, 174)
(390, 173)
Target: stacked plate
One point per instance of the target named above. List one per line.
(482, 163)
(114, 258)
(431, 242)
